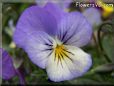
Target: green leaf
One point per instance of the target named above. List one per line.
(108, 45)
(104, 68)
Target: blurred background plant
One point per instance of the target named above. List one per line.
(101, 47)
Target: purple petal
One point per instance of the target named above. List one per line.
(8, 70)
(93, 15)
(55, 10)
(75, 30)
(39, 47)
(32, 20)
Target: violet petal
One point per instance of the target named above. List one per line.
(34, 19)
(8, 70)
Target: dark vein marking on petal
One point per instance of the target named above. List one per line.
(69, 38)
(72, 33)
(64, 35)
(61, 56)
(60, 34)
(55, 56)
(48, 44)
(50, 41)
(67, 56)
(68, 51)
(49, 49)
(60, 60)
(50, 53)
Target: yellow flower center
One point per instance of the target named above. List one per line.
(61, 53)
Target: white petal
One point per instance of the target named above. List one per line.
(68, 69)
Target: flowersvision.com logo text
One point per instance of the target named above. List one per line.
(80, 4)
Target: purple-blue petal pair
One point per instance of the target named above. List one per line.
(52, 39)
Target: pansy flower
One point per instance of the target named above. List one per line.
(52, 40)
